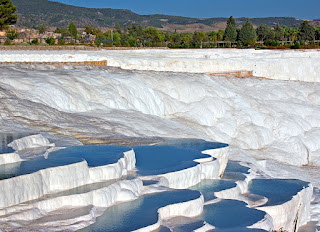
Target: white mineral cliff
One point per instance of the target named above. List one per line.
(61, 178)
(9, 158)
(31, 141)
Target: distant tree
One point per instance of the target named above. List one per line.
(42, 29)
(278, 33)
(306, 32)
(317, 34)
(7, 16)
(187, 38)
(175, 37)
(98, 42)
(73, 30)
(92, 30)
(116, 39)
(201, 36)
(167, 36)
(247, 33)
(290, 33)
(117, 28)
(220, 34)
(155, 36)
(63, 31)
(124, 39)
(132, 41)
(12, 34)
(264, 33)
(140, 30)
(133, 30)
(230, 34)
(213, 36)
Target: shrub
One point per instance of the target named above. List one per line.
(239, 44)
(34, 42)
(12, 34)
(296, 45)
(8, 42)
(270, 42)
(61, 41)
(50, 41)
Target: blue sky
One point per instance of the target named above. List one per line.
(303, 9)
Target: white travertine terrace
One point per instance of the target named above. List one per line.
(280, 65)
(57, 179)
(31, 141)
(266, 119)
(191, 208)
(270, 119)
(9, 158)
(291, 214)
(212, 168)
(51, 180)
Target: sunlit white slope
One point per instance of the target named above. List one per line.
(270, 119)
(280, 65)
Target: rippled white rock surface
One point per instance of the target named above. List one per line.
(281, 65)
(270, 119)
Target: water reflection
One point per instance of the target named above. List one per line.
(231, 215)
(139, 213)
(6, 138)
(278, 191)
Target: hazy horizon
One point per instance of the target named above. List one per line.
(211, 8)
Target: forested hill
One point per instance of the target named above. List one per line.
(32, 13)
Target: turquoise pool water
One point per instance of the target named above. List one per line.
(160, 159)
(189, 227)
(234, 166)
(151, 160)
(231, 215)
(233, 176)
(139, 213)
(195, 144)
(97, 155)
(278, 191)
(209, 187)
(6, 138)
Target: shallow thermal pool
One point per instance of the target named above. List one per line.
(209, 187)
(6, 138)
(169, 156)
(97, 155)
(151, 160)
(278, 191)
(231, 216)
(225, 215)
(139, 213)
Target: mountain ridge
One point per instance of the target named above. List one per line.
(32, 13)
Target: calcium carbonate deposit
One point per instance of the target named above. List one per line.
(204, 151)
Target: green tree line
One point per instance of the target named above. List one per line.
(139, 36)
(244, 36)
